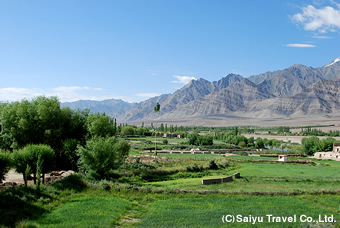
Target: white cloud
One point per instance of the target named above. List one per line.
(322, 37)
(183, 79)
(300, 45)
(64, 93)
(154, 72)
(68, 94)
(147, 95)
(323, 20)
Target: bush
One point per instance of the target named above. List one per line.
(195, 168)
(103, 154)
(212, 165)
(33, 159)
(128, 130)
(72, 182)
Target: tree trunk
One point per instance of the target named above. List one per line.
(25, 179)
(35, 178)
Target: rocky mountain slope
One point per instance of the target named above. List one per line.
(296, 91)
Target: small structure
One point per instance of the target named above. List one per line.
(221, 180)
(173, 135)
(333, 155)
(336, 147)
(283, 157)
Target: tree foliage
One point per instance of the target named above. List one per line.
(314, 144)
(103, 154)
(128, 130)
(70, 152)
(200, 140)
(100, 125)
(40, 121)
(34, 158)
(5, 164)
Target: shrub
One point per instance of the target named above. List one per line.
(103, 154)
(195, 168)
(212, 165)
(33, 159)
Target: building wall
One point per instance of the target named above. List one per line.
(327, 155)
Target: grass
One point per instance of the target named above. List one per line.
(76, 202)
(269, 177)
(207, 211)
(87, 211)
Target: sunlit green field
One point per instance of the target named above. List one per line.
(269, 177)
(207, 211)
(86, 211)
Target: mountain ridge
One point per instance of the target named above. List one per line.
(295, 91)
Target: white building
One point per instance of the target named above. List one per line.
(283, 157)
(333, 155)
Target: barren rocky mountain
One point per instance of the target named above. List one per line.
(111, 107)
(290, 93)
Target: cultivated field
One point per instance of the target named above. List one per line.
(168, 192)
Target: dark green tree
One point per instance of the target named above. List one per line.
(5, 164)
(34, 158)
(128, 130)
(23, 161)
(100, 125)
(193, 139)
(100, 155)
(70, 152)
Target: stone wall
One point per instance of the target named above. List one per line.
(221, 180)
(237, 175)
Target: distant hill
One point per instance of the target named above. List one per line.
(296, 91)
(111, 107)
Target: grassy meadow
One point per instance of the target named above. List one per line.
(171, 194)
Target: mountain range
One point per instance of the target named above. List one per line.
(296, 92)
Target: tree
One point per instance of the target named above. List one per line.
(23, 161)
(40, 158)
(259, 143)
(242, 144)
(193, 139)
(70, 152)
(34, 158)
(102, 154)
(5, 164)
(100, 125)
(128, 130)
(156, 109)
(206, 140)
(310, 145)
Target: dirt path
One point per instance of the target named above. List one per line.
(12, 176)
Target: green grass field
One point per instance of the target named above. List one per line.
(207, 211)
(87, 211)
(265, 189)
(269, 177)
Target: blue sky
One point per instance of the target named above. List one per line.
(135, 49)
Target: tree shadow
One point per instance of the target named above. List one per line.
(15, 206)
